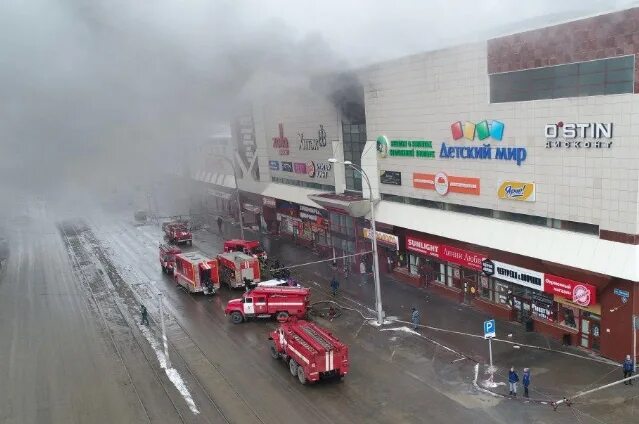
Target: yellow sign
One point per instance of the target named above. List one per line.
(515, 190)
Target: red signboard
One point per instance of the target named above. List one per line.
(580, 293)
(446, 253)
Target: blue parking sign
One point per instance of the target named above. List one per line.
(489, 328)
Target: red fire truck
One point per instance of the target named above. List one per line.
(177, 232)
(265, 302)
(237, 266)
(312, 352)
(250, 247)
(196, 273)
(167, 257)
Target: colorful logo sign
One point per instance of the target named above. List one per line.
(481, 130)
(515, 190)
(280, 143)
(299, 168)
(274, 165)
(405, 148)
(382, 146)
(580, 293)
(444, 184)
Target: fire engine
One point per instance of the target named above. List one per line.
(167, 257)
(312, 352)
(196, 273)
(235, 267)
(265, 302)
(177, 232)
(250, 247)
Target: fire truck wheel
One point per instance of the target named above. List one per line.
(274, 353)
(292, 365)
(236, 317)
(300, 375)
(282, 316)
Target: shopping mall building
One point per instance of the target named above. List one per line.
(506, 172)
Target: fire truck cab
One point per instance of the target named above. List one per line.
(235, 267)
(177, 232)
(250, 247)
(196, 273)
(265, 302)
(167, 257)
(312, 352)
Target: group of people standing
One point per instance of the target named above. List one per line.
(513, 379)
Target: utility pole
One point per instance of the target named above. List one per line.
(164, 339)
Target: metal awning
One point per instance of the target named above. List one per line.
(351, 204)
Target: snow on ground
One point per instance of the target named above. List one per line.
(404, 329)
(172, 373)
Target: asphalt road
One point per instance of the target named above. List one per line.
(73, 351)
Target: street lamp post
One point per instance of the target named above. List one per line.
(378, 290)
(237, 188)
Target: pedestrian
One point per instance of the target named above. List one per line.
(332, 313)
(334, 286)
(628, 368)
(513, 378)
(415, 317)
(145, 315)
(525, 380)
(219, 224)
(362, 272)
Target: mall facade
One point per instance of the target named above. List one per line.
(506, 172)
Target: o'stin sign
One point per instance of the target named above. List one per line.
(516, 190)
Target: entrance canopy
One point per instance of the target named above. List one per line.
(351, 204)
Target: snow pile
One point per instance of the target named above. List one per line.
(374, 322)
(172, 373)
(404, 329)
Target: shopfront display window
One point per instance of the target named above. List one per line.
(543, 307)
(487, 287)
(569, 316)
(502, 293)
(414, 262)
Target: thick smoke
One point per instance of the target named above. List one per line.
(105, 94)
(99, 94)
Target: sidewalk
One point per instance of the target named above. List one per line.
(556, 370)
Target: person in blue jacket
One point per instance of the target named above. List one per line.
(628, 368)
(415, 318)
(525, 380)
(334, 286)
(513, 378)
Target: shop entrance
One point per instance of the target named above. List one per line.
(521, 303)
(469, 284)
(590, 331)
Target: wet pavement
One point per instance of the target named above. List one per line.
(75, 351)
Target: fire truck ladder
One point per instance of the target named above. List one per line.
(319, 339)
(303, 343)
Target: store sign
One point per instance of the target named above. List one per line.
(269, 202)
(516, 275)
(280, 143)
(246, 141)
(579, 135)
(274, 165)
(446, 253)
(299, 168)
(542, 306)
(580, 293)
(517, 154)
(287, 166)
(623, 294)
(444, 184)
(309, 213)
(318, 169)
(381, 237)
(515, 190)
(220, 194)
(313, 143)
(390, 177)
(405, 148)
(252, 208)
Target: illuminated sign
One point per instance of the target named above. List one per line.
(515, 190)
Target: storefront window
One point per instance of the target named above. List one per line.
(414, 264)
(543, 307)
(487, 287)
(502, 292)
(568, 316)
